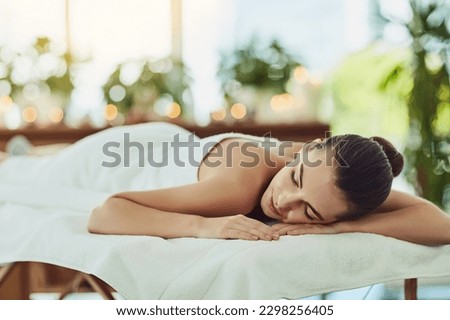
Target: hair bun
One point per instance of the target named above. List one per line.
(395, 158)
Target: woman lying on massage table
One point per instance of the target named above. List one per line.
(339, 184)
(310, 196)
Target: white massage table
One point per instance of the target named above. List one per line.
(49, 225)
(45, 224)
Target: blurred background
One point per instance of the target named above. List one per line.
(371, 67)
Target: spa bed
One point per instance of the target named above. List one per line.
(48, 225)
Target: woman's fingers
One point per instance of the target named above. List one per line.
(299, 229)
(280, 226)
(313, 229)
(242, 227)
(239, 234)
(257, 228)
(284, 228)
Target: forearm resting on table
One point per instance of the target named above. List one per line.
(423, 223)
(123, 217)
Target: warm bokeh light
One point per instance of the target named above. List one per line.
(110, 112)
(301, 74)
(219, 114)
(282, 102)
(29, 114)
(173, 110)
(56, 114)
(5, 103)
(316, 82)
(238, 111)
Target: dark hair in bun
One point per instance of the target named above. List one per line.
(364, 171)
(395, 158)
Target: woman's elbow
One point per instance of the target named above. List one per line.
(97, 220)
(100, 219)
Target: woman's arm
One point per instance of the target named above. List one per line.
(401, 216)
(215, 197)
(212, 208)
(124, 217)
(120, 216)
(405, 217)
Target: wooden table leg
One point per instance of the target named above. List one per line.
(95, 283)
(73, 286)
(14, 281)
(411, 289)
(4, 272)
(99, 286)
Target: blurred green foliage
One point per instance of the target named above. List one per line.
(142, 83)
(41, 67)
(429, 102)
(263, 67)
(405, 94)
(362, 104)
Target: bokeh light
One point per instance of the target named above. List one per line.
(56, 114)
(173, 110)
(281, 102)
(5, 103)
(110, 112)
(219, 114)
(301, 74)
(29, 114)
(238, 111)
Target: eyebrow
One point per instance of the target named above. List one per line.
(318, 215)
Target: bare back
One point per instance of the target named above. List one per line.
(239, 158)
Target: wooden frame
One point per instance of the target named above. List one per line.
(16, 283)
(23, 289)
(61, 134)
(410, 289)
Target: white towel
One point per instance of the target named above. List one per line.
(49, 225)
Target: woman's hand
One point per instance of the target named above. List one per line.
(305, 228)
(235, 227)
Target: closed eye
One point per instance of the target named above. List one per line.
(316, 214)
(307, 215)
(305, 212)
(293, 178)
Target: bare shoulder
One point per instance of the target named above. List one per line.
(242, 167)
(398, 200)
(241, 160)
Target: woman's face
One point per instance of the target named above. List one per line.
(304, 191)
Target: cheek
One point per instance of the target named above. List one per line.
(266, 196)
(295, 217)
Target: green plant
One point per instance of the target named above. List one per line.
(428, 148)
(141, 83)
(254, 65)
(358, 96)
(36, 71)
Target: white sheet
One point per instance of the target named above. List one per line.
(49, 225)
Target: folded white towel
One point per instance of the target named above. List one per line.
(49, 225)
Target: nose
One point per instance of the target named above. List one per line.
(288, 200)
